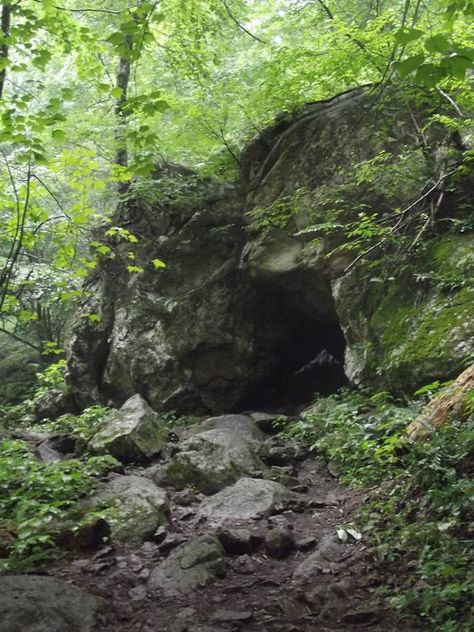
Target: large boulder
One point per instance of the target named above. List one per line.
(137, 507)
(258, 306)
(133, 433)
(190, 566)
(248, 499)
(212, 459)
(31, 603)
(410, 327)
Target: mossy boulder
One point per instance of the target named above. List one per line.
(135, 507)
(133, 433)
(248, 499)
(215, 458)
(192, 565)
(410, 327)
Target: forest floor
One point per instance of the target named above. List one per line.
(260, 591)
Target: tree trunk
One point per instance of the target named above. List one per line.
(5, 34)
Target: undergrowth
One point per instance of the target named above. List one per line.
(37, 498)
(420, 518)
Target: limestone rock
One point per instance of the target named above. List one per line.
(133, 433)
(190, 566)
(140, 507)
(246, 319)
(231, 616)
(54, 403)
(239, 541)
(243, 426)
(328, 553)
(280, 542)
(215, 458)
(248, 499)
(30, 603)
(56, 447)
(408, 331)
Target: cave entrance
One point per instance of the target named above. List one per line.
(298, 344)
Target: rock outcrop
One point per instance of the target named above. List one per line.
(211, 459)
(190, 566)
(44, 604)
(248, 499)
(133, 433)
(256, 305)
(138, 507)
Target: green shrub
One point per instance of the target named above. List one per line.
(81, 426)
(34, 496)
(421, 515)
(361, 434)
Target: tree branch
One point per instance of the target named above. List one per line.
(241, 26)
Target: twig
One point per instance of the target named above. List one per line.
(241, 26)
(450, 100)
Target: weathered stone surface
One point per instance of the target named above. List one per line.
(231, 616)
(140, 507)
(54, 403)
(327, 555)
(280, 542)
(55, 448)
(241, 319)
(30, 603)
(239, 541)
(215, 458)
(243, 427)
(190, 566)
(133, 433)
(407, 331)
(268, 422)
(248, 499)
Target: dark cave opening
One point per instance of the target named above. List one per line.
(298, 346)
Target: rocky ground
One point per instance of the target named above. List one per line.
(232, 528)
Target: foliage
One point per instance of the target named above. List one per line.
(420, 516)
(192, 81)
(18, 369)
(81, 426)
(51, 377)
(36, 497)
(359, 433)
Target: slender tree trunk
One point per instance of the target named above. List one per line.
(122, 82)
(5, 33)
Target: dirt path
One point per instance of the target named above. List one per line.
(259, 591)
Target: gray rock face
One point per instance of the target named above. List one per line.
(140, 507)
(212, 459)
(189, 566)
(133, 433)
(30, 603)
(248, 499)
(328, 553)
(245, 319)
(242, 427)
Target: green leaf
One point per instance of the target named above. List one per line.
(135, 269)
(116, 39)
(437, 44)
(158, 263)
(405, 36)
(456, 66)
(58, 134)
(117, 92)
(429, 75)
(409, 64)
